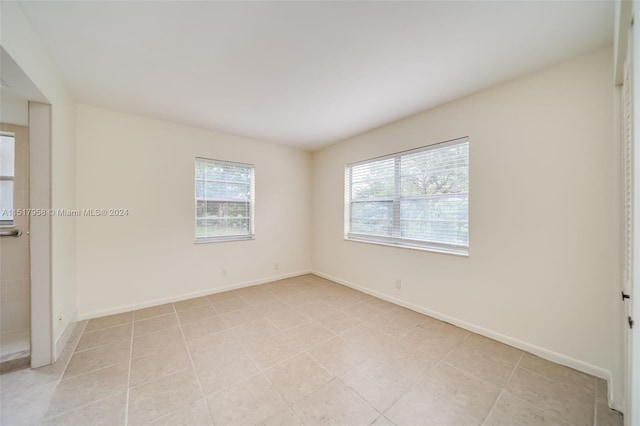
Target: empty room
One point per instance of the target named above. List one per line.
(319, 213)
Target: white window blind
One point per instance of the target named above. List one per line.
(417, 198)
(224, 200)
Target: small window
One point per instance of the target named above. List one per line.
(7, 177)
(415, 199)
(224, 201)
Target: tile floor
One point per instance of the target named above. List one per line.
(297, 351)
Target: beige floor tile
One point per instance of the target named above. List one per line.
(154, 342)
(364, 312)
(602, 394)
(109, 321)
(556, 398)
(419, 407)
(297, 377)
(398, 322)
(310, 334)
(485, 359)
(216, 348)
(406, 361)
(341, 302)
(255, 296)
(382, 421)
(156, 399)
(154, 311)
(20, 381)
(284, 292)
(383, 305)
(605, 416)
(229, 304)
(283, 418)
(225, 372)
(296, 299)
(316, 309)
(80, 390)
(513, 411)
(255, 330)
(377, 383)
(435, 340)
(271, 307)
(97, 358)
(241, 316)
(337, 356)
(338, 322)
(558, 372)
(185, 305)
(196, 314)
(365, 338)
(26, 407)
(105, 336)
(251, 402)
(222, 296)
(109, 411)
(272, 350)
(252, 355)
(171, 359)
(203, 327)
(334, 404)
(196, 414)
(152, 325)
(287, 318)
(460, 394)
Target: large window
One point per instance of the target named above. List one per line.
(417, 198)
(7, 177)
(224, 200)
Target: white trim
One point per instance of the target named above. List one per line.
(525, 346)
(185, 296)
(62, 340)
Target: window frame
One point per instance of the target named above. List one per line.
(251, 217)
(10, 223)
(396, 200)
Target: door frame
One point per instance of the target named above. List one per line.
(42, 342)
(40, 136)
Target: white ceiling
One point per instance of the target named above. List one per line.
(305, 74)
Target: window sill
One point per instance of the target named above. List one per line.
(207, 240)
(438, 250)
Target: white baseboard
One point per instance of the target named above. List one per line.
(520, 344)
(184, 296)
(62, 340)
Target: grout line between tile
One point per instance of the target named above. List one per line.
(595, 401)
(126, 406)
(186, 346)
(484, 421)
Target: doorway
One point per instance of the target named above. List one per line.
(22, 104)
(15, 294)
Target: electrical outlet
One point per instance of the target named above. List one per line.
(276, 266)
(398, 284)
(223, 272)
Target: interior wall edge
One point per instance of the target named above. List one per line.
(511, 341)
(184, 296)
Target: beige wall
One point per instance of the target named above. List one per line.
(147, 167)
(543, 239)
(21, 42)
